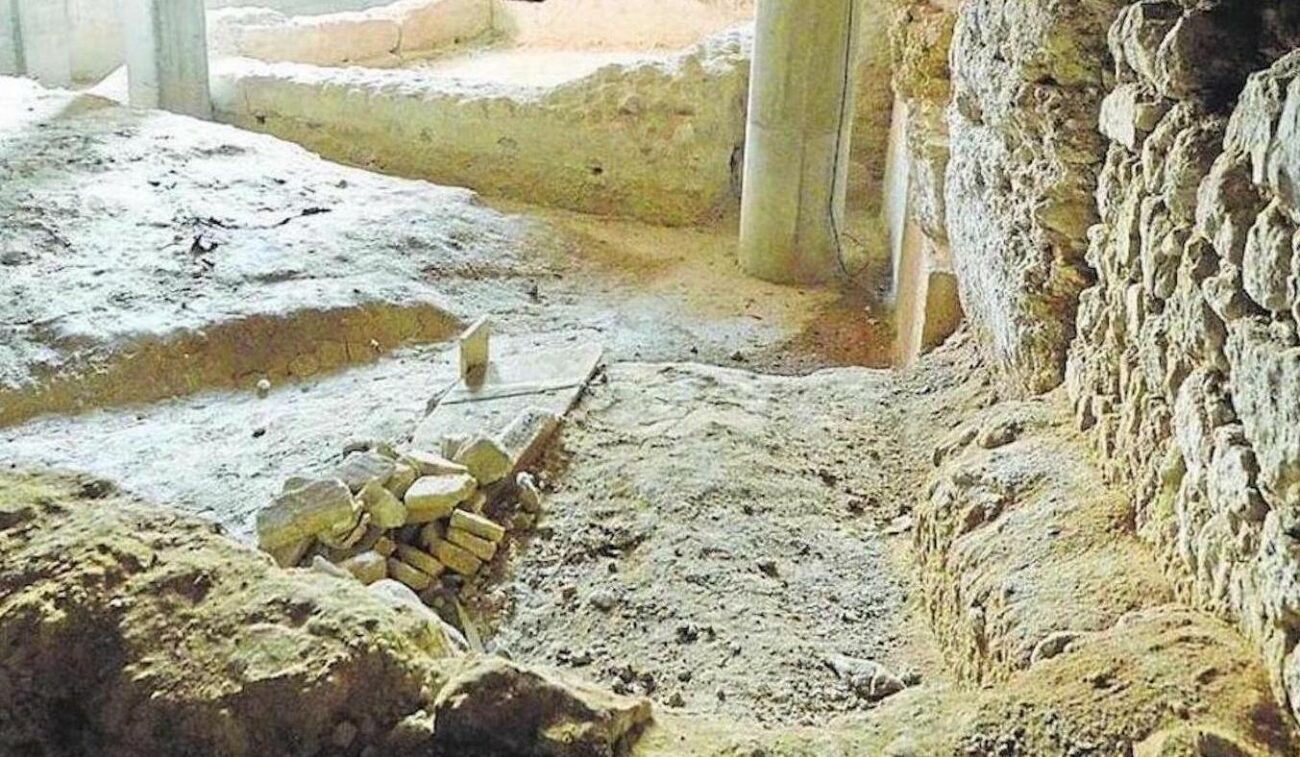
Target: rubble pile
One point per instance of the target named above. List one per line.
(429, 519)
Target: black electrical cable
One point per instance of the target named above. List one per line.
(839, 144)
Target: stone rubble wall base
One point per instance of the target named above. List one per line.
(1186, 370)
(654, 140)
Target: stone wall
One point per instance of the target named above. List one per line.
(655, 140)
(1028, 79)
(1186, 370)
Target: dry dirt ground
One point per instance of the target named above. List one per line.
(725, 510)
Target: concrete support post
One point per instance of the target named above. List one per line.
(44, 40)
(797, 141)
(11, 40)
(167, 55)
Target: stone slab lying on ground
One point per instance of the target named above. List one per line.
(185, 641)
(549, 380)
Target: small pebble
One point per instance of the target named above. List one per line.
(263, 388)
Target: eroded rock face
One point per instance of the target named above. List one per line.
(127, 629)
(1186, 371)
(1027, 90)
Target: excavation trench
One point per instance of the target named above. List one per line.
(773, 552)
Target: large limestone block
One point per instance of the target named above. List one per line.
(1265, 386)
(317, 507)
(1023, 167)
(521, 711)
(434, 497)
(1268, 262)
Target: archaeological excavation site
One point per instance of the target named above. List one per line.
(587, 378)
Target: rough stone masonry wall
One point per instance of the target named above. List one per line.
(1027, 83)
(1186, 370)
(654, 140)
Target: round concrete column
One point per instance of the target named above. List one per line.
(797, 140)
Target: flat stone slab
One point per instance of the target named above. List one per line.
(549, 380)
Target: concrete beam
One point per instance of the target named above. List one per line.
(43, 36)
(167, 55)
(797, 141)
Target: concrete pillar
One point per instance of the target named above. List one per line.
(44, 31)
(11, 40)
(797, 141)
(167, 55)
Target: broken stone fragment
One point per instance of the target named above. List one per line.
(422, 561)
(475, 347)
(416, 579)
(530, 497)
(869, 680)
(386, 510)
(525, 439)
(291, 555)
(349, 538)
(497, 707)
(486, 459)
(434, 497)
(301, 513)
(367, 567)
(432, 464)
(459, 559)
(403, 476)
(360, 468)
(481, 548)
(478, 526)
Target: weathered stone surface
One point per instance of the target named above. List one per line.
(317, 507)
(403, 476)
(409, 575)
(360, 468)
(486, 460)
(421, 561)
(481, 548)
(530, 497)
(432, 464)
(385, 509)
(518, 711)
(1187, 364)
(478, 525)
(266, 661)
(525, 439)
(1129, 113)
(434, 497)
(998, 531)
(1025, 157)
(457, 558)
(367, 567)
(474, 350)
(1268, 262)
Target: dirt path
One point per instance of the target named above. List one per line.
(714, 536)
